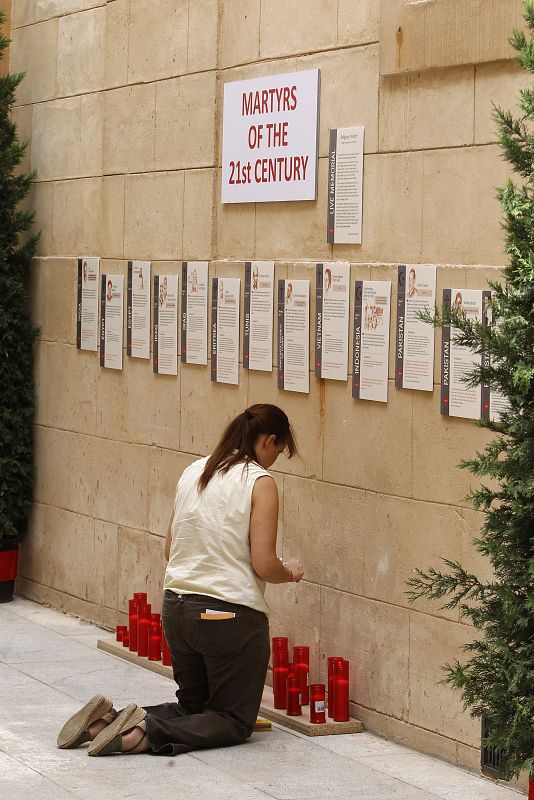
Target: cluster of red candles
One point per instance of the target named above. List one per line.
(144, 634)
(292, 689)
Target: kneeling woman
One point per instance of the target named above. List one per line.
(221, 548)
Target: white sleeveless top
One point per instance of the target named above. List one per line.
(210, 549)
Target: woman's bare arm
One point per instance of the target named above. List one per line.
(263, 530)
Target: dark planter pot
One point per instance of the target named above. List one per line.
(531, 788)
(9, 552)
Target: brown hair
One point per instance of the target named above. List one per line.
(238, 440)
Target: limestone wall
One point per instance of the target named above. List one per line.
(123, 103)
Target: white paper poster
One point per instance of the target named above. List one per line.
(87, 306)
(165, 343)
(258, 315)
(345, 185)
(332, 321)
(225, 330)
(457, 361)
(294, 335)
(194, 327)
(414, 361)
(111, 321)
(270, 138)
(138, 309)
(372, 313)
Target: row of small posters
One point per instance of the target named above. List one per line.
(182, 328)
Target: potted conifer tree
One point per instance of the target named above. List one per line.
(17, 336)
(496, 680)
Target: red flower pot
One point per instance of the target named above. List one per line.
(9, 552)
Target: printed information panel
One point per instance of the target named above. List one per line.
(165, 343)
(457, 361)
(138, 305)
(372, 313)
(270, 137)
(294, 335)
(258, 315)
(87, 305)
(111, 321)
(194, 341)
(332, 321)
(414, 361)
(345, 186)
(225, 293)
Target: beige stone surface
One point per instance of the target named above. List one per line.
(294, 230)
(199, 212)
(354, 67)
(325, 526)
(23, 13)
(166, 466)
(202, 33)
(240, 34)
(53, 295)
(70, 405)
(129, 129)
(434, 642)
(64, 477)
(141, 567)
(113, 211)
(359, 437)
(314, 30)
(92, 134)
(469, 33)
(296, 613)
(405, 121)
(77, 211)
(103, 577)
(436, 475)
(185, 131)
(392, 210)
(56, 144)
(374, 637)
(151, 405)
(121, 471)
(34, 51)
(81, 52)
(153, 215)
(22, 117)
(116, 43)
(236, 226)
(44, 9)
(459, 198)
(497, 84)
(40, 201)
(358, 22)
(207, 408)
(157, 39)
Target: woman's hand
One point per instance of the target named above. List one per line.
(296, 568)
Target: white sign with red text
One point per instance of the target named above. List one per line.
(270, 135)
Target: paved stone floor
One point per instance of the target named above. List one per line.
(49, 666)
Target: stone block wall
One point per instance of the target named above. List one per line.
(123, 105)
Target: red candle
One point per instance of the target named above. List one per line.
(280, 659)
(154, 639)
(126, 639)
(120, 632)
(293, 697)
(165, 652)
(341, 691)
(531, 788)
(144, 626)
(317, 704)
(331, 664)
(132, 615)
(141, 597)
(301, 667)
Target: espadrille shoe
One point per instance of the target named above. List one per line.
(76, 729)
(109, 740)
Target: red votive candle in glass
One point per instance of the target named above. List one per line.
(120, 632)
(331, 689)
(165, 652)
(154, 639)
(126, 638)
(293, 697)
(143, 627)
(317, 703)
(132, 618)
(141, 597)
(341, 691)
(280, 659)
(301, 668)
